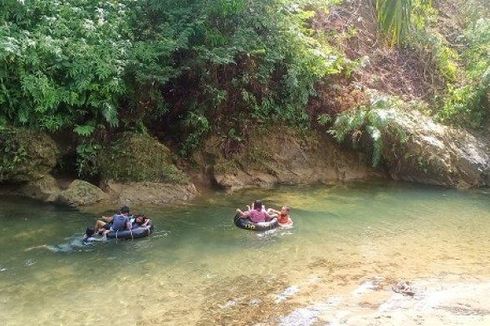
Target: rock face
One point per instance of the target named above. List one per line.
(433, 153)
(138, 169)
(137, 158)
(45, 189)
(137, 193)
(285, 157)
(82, 193)
(26, 155)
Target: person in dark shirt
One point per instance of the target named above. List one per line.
(119, 222)
(141, 221)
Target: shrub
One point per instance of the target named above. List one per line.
(370, 121)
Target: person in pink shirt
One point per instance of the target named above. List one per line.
(257, 214)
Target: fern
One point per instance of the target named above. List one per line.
(372, 121)
(84, 130)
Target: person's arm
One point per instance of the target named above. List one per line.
(267, 217)
(242, 214)
(107, 219)
(148, 221)
(271, 211)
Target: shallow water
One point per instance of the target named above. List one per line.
(199, 269)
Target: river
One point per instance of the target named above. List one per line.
(350, 244)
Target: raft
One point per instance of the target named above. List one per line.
(139, 232)
(245, 223)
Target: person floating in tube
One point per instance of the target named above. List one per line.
(257, 214)
(282, 216)
(141, 221)
(118, 222)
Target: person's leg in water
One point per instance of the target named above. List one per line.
(103, 224)
(99, 225)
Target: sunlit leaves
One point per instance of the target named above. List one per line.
(63, 62)
(397, 17)
(394, 18)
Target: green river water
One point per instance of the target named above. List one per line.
(198, 268)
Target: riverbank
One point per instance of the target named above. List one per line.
(147, 172)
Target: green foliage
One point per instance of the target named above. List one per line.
(394, 19)
(467, 106)
(324, 119)
(87, 159)
(183, 67)
(467, 103)
(13, 154)
(433, 48)
(398, 18)
(62, 63)
(198, 126)
(477, 53)
(84, 130)
(369, 122)
(253, 59)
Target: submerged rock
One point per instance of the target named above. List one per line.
(403, 287)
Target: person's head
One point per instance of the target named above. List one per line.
(125, 210)
(140, 219)
(285, 210)
(258, 205)
(89, 232)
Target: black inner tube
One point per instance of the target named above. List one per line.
(246, 224)
(139, 232)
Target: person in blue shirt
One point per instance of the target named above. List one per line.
(117, 222)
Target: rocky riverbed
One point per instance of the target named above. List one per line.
(373, 302)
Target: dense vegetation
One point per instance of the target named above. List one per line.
(179, 70)
(463, 65)
(463, 61)
(90, 66)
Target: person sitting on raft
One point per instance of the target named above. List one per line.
(282, 216)
(252, 205)
(141, 221)
(103, 225)
(118, 222)
(257, 214)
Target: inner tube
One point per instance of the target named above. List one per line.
(139, 232)
(245, 223)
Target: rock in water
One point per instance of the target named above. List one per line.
(82, 193)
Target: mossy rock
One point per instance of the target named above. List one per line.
(136, 157)
(26, 155)
(81, 193)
